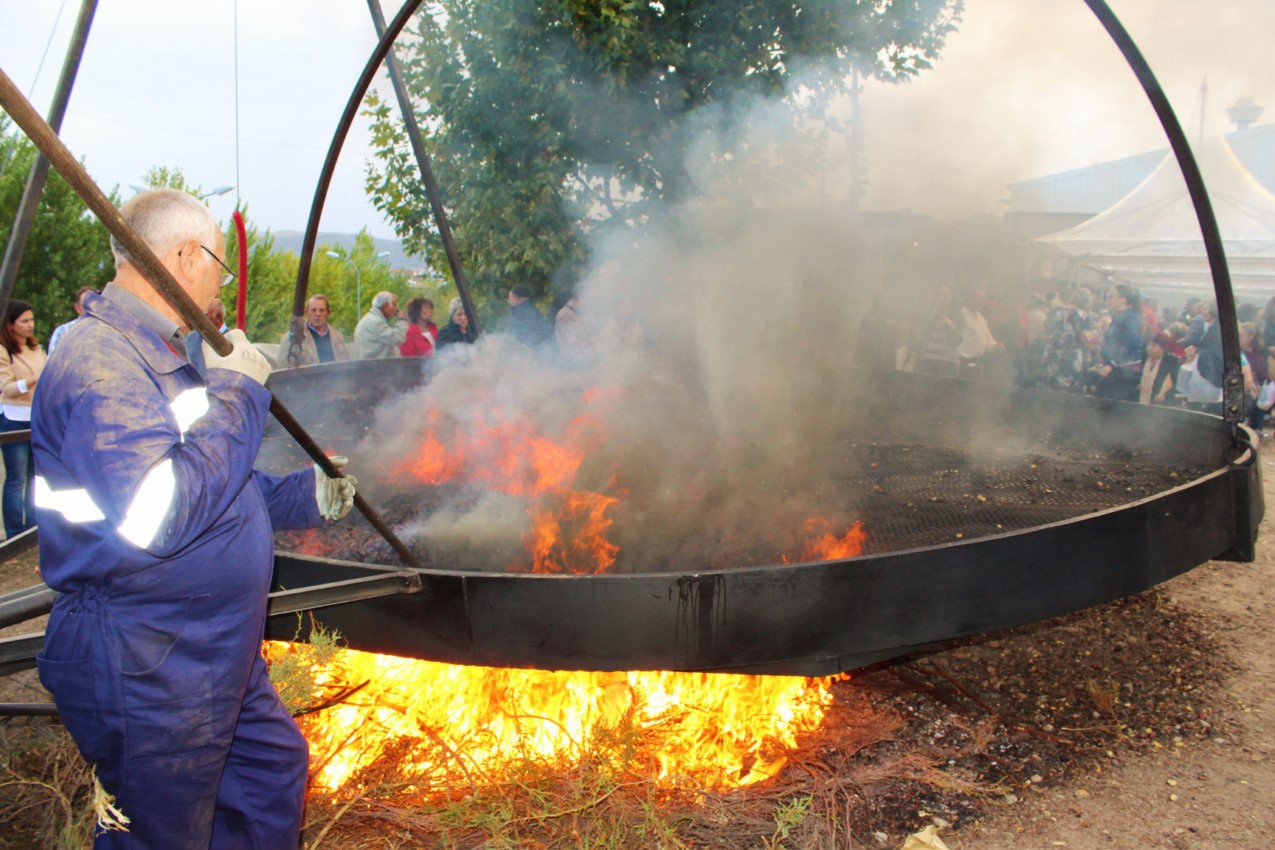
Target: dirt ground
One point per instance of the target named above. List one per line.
(1212, 789)
(1147, 723)
(1186, 760)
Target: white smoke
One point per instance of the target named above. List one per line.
(720, 342)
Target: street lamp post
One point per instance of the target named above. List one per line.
(220, 190)
(358, 277)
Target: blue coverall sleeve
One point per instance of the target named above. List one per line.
(290, 499)
(163, 472)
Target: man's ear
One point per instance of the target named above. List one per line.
(189, 257)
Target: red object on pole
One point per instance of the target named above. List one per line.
(241, 297)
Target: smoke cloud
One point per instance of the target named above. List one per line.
(710, 380)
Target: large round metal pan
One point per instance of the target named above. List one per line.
(823, 617)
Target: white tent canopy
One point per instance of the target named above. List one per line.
(1151, 237)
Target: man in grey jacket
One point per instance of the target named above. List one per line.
(322, 343)
(378, 334)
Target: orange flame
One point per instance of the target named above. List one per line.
(507, 453)
(717, 729)
(570, 535)
(503, 452)
(828, 546)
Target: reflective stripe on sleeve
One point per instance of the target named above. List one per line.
(76, 505)
(154, 496)
(189, 406)
(150, 505)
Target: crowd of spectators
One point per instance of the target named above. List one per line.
(1108, 342)
(385, 333)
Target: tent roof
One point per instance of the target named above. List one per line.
(1152, 235)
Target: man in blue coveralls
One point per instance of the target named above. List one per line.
(157, 532)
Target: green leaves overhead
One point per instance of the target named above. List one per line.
(548, 119)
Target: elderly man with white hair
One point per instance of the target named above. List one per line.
(377, 335)
(158, 534)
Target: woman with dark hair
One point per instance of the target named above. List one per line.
(1120, 372)
(423, 333)
(21, 363)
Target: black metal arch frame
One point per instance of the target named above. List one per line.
(1232, 378)
(382, 49)
(1233, 382)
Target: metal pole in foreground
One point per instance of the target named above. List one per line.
(25, 116)
(40, 168)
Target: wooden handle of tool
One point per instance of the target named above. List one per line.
(42, 135)
(25, 116)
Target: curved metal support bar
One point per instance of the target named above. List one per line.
(427, 174)
(329, 164)
(1232, 376)
(1244, 445)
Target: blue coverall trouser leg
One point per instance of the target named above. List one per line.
(181, 721)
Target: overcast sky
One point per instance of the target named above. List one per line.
(1025, 87)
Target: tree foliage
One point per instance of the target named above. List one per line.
(67, 248)
(545, 120)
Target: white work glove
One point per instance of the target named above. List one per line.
(243, 358)
(335, 496)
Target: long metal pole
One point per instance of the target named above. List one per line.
(1232, 375)
(329, 166)
(46, 140)
(40, 168)
(427, 173)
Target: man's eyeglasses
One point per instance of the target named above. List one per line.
(229, 276)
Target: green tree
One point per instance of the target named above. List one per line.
(342, 284)
(163, 177)
(549, 119)
(67, 248)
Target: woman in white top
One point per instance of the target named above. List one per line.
(21, 362)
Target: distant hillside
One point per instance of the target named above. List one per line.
(291, 240)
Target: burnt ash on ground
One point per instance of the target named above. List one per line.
(1036, 706)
